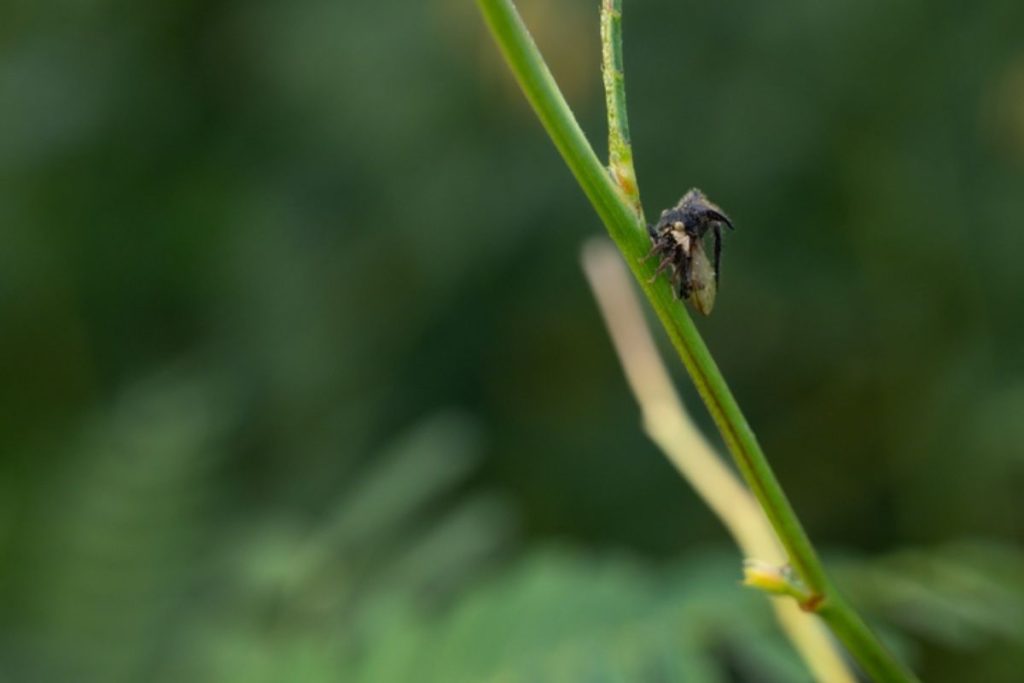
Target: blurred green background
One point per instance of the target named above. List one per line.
(301, 380)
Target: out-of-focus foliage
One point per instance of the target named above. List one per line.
(299, 380)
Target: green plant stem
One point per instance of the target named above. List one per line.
(620, 151)
(626, 228)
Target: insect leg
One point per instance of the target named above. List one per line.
(718, 250)
(652, 252)
(684, 286)
(665, 263)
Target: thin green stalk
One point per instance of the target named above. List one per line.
(629, 233)
(620, 152)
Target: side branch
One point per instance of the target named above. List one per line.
(620, 152)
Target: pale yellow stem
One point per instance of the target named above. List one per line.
(667, 422)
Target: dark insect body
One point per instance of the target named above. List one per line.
(678, 239)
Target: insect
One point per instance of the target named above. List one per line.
(678, 239)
